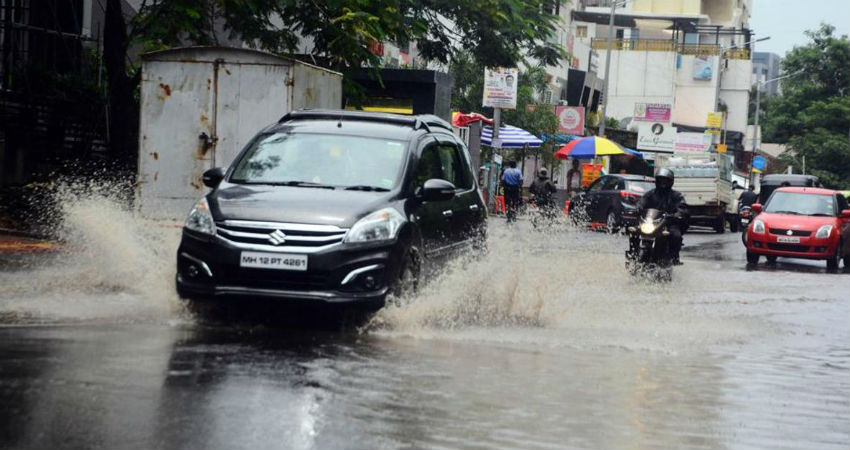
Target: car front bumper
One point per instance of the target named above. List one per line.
(808, 248)
(209, 268)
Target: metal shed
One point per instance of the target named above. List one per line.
(201, 105)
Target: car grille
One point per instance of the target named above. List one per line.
(276, 279)
(784, 232)
(788, 248)
(278, 234)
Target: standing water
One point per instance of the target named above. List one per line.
(545, 342)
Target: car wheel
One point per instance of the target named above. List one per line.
(771, 259)
(832, 261)
(611, 222)
(752, 258)
(408, 277)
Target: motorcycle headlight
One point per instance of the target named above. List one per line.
(200, 219)
(824, 231)
(758, 227)
(647, 228)
(381, 225)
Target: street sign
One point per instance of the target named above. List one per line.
(759, 163)
(500, 87)
(722, 148)
(714, 120)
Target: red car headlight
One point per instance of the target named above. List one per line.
(824, 232)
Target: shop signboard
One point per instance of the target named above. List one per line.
(693, 142)
(500, 87)
(570, 119)
(703, 67)
(714, 120)
(658, 137)
(653, 112)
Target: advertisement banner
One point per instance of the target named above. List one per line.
(657, 137)
(653, 112)
(703, 67)
(693, 142)
(500, 87)
(714, 120)
(570, 119)
(590, 173)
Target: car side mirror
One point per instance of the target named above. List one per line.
(845, 214)
(436, 190)
(756, 208)
(213, 177)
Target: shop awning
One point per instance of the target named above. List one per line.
(511, 137)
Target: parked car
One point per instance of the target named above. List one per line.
(332, 207)
(810, 223)
(610, 201)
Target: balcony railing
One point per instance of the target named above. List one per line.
(665, 45)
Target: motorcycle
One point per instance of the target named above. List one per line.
(649, 247)
(746, 216)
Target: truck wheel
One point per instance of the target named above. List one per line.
(753, 258)
(720, 225)
(733, 224)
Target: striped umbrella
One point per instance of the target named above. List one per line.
(590, 147)
(511, 137)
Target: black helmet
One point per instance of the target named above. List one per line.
(543, 173)
(664, 179)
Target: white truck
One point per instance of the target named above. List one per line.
(201, 105)
(707, 187)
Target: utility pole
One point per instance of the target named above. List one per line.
(609, 45)
(756, 131)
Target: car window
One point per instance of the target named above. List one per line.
(641, 187)
(335, 160)
(452, 167)
(428, 167)
(611, 184)
(842, 202)
(801, 203)
(597, 185)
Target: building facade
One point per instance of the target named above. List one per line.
(766, 66)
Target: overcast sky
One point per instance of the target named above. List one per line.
(786, 20)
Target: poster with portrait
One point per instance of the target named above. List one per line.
(703, 67)
(500, 87)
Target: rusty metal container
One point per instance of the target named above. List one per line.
(201, 105)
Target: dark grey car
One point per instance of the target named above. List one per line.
(332, 207)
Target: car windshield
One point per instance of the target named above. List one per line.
(641, 187)
(800, 203)
(325, 160)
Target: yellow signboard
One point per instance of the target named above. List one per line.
(714, 120)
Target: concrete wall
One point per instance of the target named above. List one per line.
(639, 77)
(694, 98)
(683, 7)
(735, 92)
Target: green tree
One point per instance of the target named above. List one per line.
(812, 115)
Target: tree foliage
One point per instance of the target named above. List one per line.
(496, 32)
(812, 115)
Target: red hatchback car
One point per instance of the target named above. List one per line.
(798, 222)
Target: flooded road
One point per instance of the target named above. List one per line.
(546, 343)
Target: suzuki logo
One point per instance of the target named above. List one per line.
(277, 237)
(789, 232)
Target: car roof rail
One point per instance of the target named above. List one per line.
(425, 121)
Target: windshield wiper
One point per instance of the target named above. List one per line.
(822, 215)
(293, 183)
(785, 212)
(366, 187)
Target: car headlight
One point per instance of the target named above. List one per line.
(824, 231)
(200, 218)
(381, 225)
(647, 228)
(758, 227)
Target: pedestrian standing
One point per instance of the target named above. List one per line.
(573, 179)
(512, 182)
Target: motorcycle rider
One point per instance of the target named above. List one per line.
(748, 197)
(667, 200)
(543, 188)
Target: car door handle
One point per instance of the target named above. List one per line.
(448, 213)
(473, 207)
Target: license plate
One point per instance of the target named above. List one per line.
(278, 261)
(788, 239)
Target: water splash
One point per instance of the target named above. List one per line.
(113, 265)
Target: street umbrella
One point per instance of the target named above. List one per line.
(590, 147)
